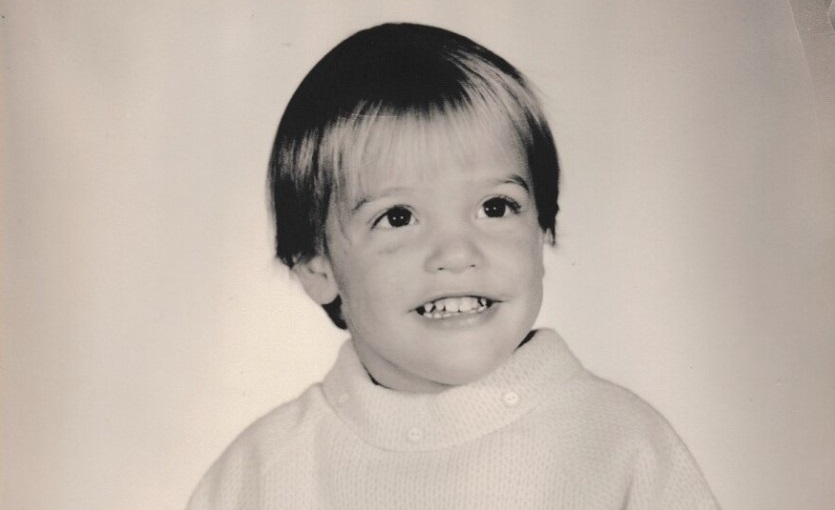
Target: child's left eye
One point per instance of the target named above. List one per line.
(497, 207)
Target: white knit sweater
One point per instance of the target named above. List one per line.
(540, 432)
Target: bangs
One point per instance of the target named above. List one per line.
(383, 142)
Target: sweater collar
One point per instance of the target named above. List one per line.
(421, 422)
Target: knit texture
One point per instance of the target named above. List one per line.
(540, 432)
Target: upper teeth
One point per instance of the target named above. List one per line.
(455, 304)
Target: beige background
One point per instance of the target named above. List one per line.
(144, 322)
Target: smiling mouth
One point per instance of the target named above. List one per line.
(454, 306)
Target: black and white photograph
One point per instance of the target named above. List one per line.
(274, 254)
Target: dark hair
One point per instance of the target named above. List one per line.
(393, 71)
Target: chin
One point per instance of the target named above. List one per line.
(469, 369)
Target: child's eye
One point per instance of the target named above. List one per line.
(497, 207)
(395, 217)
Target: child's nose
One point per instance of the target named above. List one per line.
(454, 252)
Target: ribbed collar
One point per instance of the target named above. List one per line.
(421, 422)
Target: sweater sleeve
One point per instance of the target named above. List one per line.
(231, 484)
(665, 475)
(245, 476)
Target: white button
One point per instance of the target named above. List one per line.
(343, 399)
(510, 399)
(414, 435)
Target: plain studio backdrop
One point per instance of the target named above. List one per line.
(145, 322)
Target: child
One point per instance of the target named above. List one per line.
(414, 184)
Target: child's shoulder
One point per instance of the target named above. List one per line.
(283, 433)
(573, 392)
(609, 414)
(605, 435)
(282, 427)
(606, 399)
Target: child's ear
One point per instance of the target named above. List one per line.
(317, 279)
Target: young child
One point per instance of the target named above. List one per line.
(414, 184)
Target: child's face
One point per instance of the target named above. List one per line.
(438, 264)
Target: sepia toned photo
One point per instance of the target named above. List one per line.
(413, 255)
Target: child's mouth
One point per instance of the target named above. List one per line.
(452, 306)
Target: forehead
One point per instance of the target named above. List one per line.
(391, 150)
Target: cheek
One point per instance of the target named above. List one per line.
(371, 277)
(538, 255)
(392, 251)
(526, 245)
(389, 249)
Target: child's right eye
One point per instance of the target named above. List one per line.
(395, 217)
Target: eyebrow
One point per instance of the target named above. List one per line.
(515, 179)
(370, 198)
